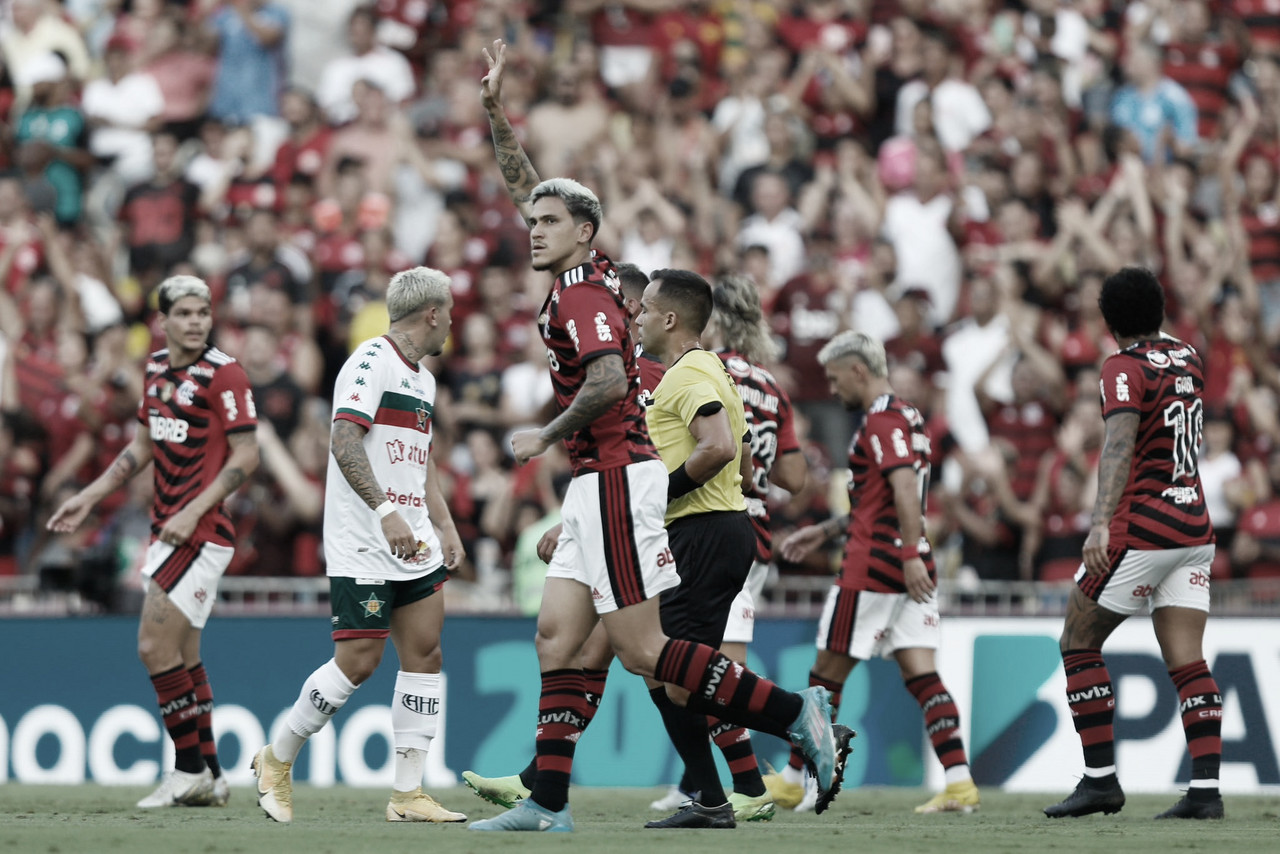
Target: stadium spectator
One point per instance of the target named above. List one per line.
(252, 39)
(52, 136)
(368, 60)
(1154, 108)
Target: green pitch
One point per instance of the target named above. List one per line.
(98, 820)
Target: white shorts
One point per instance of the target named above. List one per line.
(865, 625)
(741, 627)
(1145, 580)
(613, 539)
(189, 574)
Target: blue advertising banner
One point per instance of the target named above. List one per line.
(78, 706)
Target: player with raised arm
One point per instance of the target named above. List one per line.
(386, 563)
(612, 559)
(1150, 547)
(883, 603)
(197, 424)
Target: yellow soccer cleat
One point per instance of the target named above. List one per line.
(275, 786)
(503, 791)
(785, 793)
(416, 806)
(956, 797)
(747, 808)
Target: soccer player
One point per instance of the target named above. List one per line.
(883, 601)
(1149, 548)
(612, 559)
(197, 425)
(385, 561)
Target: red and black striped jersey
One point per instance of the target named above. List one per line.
(1162, 506)
(188, 413)
(773, 432)
(582, 319)
(893, 435)
(651, 371)
(1260, 225)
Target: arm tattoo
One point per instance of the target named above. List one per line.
(835, 526)
(347, 447)
(124, 466)
(233, 478)
(1113, 467)
(517, 169)
(606, 384)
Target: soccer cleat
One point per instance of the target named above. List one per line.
(747, 808)
(811, 732)
(843, 738)
(527, 815)
(1197, 809)
(217, 796)
(416, 806)
(672, 800)
(275, 786)
(956, 797)
(694, 814)
(503, 791)
(179, 789)
(785, 793)
(1092, 794)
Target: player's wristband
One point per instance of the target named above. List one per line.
(385, 509)
(911, 552)
(680, 483)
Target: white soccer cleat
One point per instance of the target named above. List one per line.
(672, 800)
(180, 788)
(416, 806)
(275, 786)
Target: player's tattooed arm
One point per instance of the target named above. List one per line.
(604, 387)
(836, 526)
(347, 447)
(130, 461)
(1114, 465)
(517, 170)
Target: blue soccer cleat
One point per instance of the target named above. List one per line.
(812, 733)
(527, 815)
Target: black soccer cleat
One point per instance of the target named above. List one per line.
(843, 736)
(1209, 808)
(694, 814)
(1092, 794)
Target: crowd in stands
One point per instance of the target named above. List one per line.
(955, 177)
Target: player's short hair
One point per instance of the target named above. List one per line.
(850, 343)
(689, 294)
(633, 280)
(740, 318)
(1132, 302)
(175, 288)
(583, 205)
(416, 288)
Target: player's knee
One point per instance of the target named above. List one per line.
(359, 668)
(157, 656)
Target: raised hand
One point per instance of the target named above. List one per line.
(491, 83)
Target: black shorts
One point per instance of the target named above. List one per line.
(714, 553)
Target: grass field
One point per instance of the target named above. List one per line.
(92, 819)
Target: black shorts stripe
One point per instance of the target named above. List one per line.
(622, 559)
(843, 618)
(175, 566)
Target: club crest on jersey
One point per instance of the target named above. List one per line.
(424, 416)
(187, 393)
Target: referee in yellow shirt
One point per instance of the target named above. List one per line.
(696, 420)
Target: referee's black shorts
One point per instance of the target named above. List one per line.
(714, 553)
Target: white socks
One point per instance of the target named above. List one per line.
(415, 715)
(325, 691)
